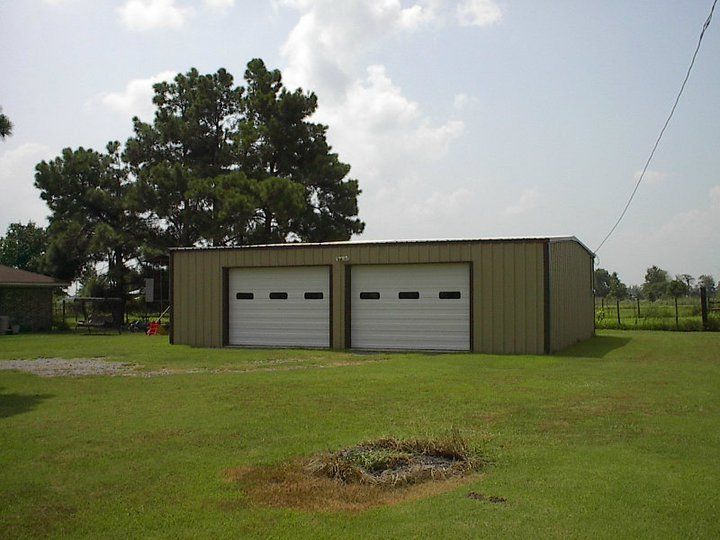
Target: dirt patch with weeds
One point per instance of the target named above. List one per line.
(395, 462)
(377, 473)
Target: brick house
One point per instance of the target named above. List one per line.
(26, 298)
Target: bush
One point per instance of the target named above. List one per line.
(61, 326)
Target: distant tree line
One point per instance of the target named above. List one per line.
(658, 284)
(220, 164)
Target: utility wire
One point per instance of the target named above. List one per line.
(662, 131)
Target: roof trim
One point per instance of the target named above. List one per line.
(550, 239)
(553, 240)
(30, 285)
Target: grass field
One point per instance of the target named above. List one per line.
(617, 437)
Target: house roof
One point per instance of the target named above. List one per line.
(14, 277)
(550, 239)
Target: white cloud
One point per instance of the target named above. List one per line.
(442, 204)
(415, 16)
(383, 134)
(527, 201)
(462, 100)
(388, 138)
(689, 236)
(136, 98)
(478, 13)
(323, 49)
(141, 15)
(219, 4)
(20, 200)
(715, 197)
(651, 177)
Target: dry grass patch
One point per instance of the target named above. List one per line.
(377, 473)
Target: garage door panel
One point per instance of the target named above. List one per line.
(295, 321)
(430, 321)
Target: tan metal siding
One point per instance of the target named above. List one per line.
(571, 298)
(508, 296)
(533, 299)
(184, 291)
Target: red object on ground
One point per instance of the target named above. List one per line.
(153, 329)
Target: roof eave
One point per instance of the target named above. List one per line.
(384, 242)
(572, 239)
(38, 285)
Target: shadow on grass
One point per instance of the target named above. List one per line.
(12, 404)
(596, 347)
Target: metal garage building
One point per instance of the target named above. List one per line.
(509, 295)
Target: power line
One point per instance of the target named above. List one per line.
(662, 131)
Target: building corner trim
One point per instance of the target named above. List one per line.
(171, 279)
(547, 312)
(348, 305)
(225, 307)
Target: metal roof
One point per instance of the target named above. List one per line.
(551, 239)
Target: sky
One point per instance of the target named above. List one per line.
(460, 118)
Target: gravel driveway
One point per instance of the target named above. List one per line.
(78, 367)
(84, 367)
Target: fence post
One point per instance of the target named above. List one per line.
(63, 305)
(617, 304)
(677, 320)
(638, 306)
(704, 307)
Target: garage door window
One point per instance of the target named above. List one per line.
(244, 296)
(313, 296)
(408, 295)
(369, 296)
(449, 295)
(278, 296)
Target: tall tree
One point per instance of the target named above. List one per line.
(221, 164)
(677, 288)
(602, 282)
(6, 126)
(276, 140)
(92, 220)
(636, 291)
(656, 283)
(188, 143)
(707, 281)
(618, 289)
(24, 247)
(687, 278)
(217, 165)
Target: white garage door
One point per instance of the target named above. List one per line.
(410, 306)
(279, 307)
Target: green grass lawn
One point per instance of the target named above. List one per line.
(617, 437)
